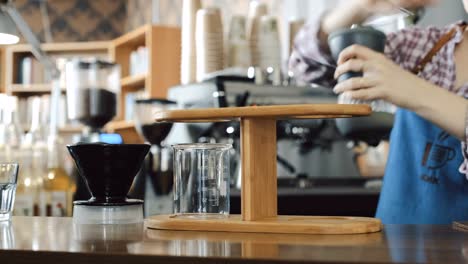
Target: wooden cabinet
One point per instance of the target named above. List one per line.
(163, 70)
(13, 55)
(163, 44)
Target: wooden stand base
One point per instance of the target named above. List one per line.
(280, 224)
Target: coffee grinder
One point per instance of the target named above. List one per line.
(108, 171)
(158, 165)
(93, 88)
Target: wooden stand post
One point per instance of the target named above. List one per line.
(259, 180)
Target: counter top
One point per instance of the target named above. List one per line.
(58, 240)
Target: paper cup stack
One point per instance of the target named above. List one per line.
(268, 43)
(256, 11)
(238, 48)
(209, 42)
(188, 53)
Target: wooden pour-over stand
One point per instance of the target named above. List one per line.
(259, 178)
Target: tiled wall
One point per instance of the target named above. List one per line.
(139, 12)
(170, 10)
(88, 20)
(77, 20)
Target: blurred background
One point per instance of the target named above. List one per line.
(150, 55)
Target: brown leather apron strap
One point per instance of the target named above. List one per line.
(439, 45)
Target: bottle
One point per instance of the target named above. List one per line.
(58, 185)
(29, 186)
(10, 130)
(32, 158)
(12, 150)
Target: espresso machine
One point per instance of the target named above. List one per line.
(93, 88)
(307, 149)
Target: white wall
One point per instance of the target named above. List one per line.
(299, 9)
(445, 12)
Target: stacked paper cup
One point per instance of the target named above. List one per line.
(268, 43)
(238, 48)
(209, 42)
(188, 54)
(256, 11)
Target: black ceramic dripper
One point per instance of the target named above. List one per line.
(108, 170)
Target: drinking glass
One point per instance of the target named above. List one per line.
(201, 180)
(7, 235)
(8, 179)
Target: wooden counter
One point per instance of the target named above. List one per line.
(58, 240)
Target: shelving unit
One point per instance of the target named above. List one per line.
(163, 44)
(13, 55)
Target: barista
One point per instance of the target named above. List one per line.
(424, 71)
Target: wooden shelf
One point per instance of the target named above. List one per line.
(68, 47)
(27, 89)
(71, 129)
(133, 38)
(132, 83)
(120, 125)
(67, 129)
(126, 129)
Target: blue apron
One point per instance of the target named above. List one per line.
(422, 184)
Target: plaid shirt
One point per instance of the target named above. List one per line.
(406, 48)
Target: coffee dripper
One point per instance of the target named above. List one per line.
(108, 171)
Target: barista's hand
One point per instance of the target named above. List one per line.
(382, 78)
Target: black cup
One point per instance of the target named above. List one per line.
(108, 169)
(365, 36)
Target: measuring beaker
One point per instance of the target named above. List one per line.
(201, 180)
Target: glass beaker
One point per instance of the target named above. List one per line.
(201, 180)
